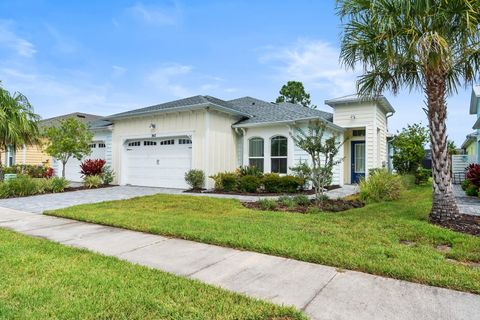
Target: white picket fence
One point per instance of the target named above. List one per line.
(459, 164)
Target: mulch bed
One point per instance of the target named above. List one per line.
(466, 224)
(329, 205)
(260, 194)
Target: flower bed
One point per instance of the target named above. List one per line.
(303, 204)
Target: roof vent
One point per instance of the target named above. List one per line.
(81, 116)
(253, 103)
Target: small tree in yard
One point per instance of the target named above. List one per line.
(409, 147)
(70, 138)
(323, 153)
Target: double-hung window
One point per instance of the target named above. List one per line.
(278, 154)
(255, 153)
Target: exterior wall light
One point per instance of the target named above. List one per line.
(152, 126)
(352, 117)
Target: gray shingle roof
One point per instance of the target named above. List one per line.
(82, 117)
(191, 102)
(267, 112)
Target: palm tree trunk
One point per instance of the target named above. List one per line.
(444, 207)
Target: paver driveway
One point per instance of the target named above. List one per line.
(40, 203)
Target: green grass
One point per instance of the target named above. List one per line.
(44, 280)
(366, 239)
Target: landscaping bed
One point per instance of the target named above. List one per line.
(465, 223)
(40, 279)
(301, 205)
(259, 193)
(365, 239)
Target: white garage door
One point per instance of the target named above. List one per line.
(72, 169)
(158, 162)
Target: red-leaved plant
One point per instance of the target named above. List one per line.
(92, 167)
(48, 173)
(473, 174)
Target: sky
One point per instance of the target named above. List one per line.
(104, 57)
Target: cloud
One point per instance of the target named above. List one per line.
(166, 15)
(165, 79)
(61, 42)
(14, 42)
(314, 62)
(118, 71)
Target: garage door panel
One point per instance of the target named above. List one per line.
(158, 165)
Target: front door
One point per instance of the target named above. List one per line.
(358, 160)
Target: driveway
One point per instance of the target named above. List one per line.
(52, 201)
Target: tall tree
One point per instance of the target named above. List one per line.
(70, 138)
(409, 148)
(430, 45)
(18, 122)
(294, 92)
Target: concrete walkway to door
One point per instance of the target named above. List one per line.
(321, 292)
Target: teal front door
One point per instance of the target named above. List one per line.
(357, 161)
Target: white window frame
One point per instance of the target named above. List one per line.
(279, 157)
(257, 157)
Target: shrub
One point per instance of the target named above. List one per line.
(304, 172)
(249, 183)
(286, 201)
(381, 186)
(267, 204)
(92, 181)
(422, 175)
(33, 171)
(229, 181)
(465, 184)
(408, 180)
(249, 171)
(218, 181)
(22, 186)
(301, 200)
(473, 174)
(107, 175)
(43, 185)
(49, 173)
(271, 182)
(59, 184)
(5, 190)
(195, 178)
(92, 167)
(290, 184)
(472, 191)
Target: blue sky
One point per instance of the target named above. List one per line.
(104, 57)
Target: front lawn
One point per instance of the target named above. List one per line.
(392, 239)
(44, 280)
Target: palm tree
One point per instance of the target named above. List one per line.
(18, 122)
(431, 45)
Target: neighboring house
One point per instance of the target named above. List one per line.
(156, 145)
(34, 154)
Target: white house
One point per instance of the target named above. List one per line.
(156, 145)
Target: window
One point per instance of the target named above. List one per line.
(167, 142)
(358, 133)
(10, 156)
(255, 153)
(92, 145)
(101, 145)
(149, 143)
(134, 144)
(184, 141)
(279, 146)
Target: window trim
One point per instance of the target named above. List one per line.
(257, 157)
(272, 157)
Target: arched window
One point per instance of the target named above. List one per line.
(255, 153)
(278, 155)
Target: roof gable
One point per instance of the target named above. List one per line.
(474, 100)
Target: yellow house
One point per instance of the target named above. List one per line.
(34, 154)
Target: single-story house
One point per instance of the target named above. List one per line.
(472, 141)
(156, 145)
(35, 155)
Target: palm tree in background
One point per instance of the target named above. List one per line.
(431, 45)
(18, 122)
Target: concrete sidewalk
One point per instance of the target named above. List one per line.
(321, 292)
